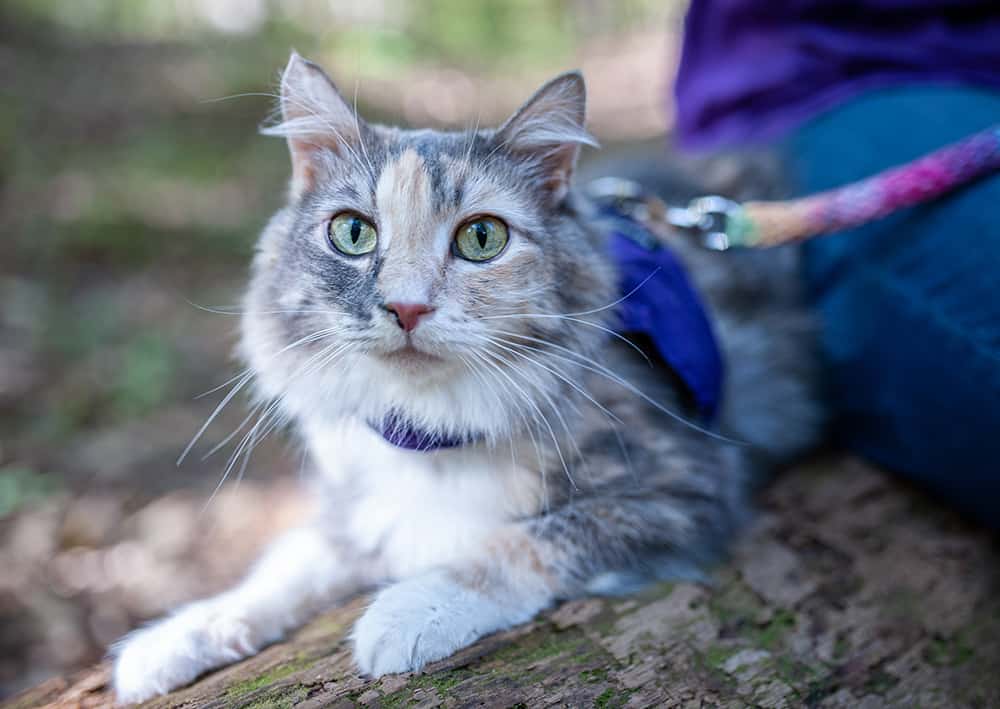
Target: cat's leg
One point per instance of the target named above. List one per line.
(596, 545)
(298, 575)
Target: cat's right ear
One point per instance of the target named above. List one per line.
(315, 120)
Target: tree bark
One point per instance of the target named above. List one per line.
(850, 590)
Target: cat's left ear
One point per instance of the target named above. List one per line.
(315, 119)
(551, 126)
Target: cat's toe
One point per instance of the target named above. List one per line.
(407, 626)
(421, 620)
(146, 668)
(175, 651)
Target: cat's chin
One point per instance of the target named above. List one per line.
(410, 356)
(413, 365)
(411, 362)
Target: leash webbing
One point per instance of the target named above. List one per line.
(762, 224)
(722, 223)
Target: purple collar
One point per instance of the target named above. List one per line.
(661, 305)
(404, 434)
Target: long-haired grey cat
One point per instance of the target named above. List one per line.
(454, 287)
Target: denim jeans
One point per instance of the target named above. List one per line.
(910, 306)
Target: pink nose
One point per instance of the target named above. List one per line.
(408, 314)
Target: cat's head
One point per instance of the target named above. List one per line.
(442, 277)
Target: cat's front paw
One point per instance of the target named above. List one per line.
(428, 618)
(176, 650)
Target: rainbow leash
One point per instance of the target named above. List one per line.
(723, 224)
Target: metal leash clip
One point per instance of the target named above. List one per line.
(706, 218)
(709, 218)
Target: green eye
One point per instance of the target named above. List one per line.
(352, 235)
(481, 239)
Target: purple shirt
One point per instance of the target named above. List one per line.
(752, 69)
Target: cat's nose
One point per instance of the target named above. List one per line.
(408, 314)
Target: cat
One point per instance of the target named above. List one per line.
(432, 312)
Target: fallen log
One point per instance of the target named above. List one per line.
(850, 590)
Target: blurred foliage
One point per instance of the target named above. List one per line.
(145, 376)
(23, 486)
(379, 36)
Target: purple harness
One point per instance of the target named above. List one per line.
(660, 304)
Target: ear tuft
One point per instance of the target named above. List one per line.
(551, 125)
(314, 117)
(554, 115)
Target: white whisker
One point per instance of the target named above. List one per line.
(361, 140)
(552, 404)
(616, 302)
(268, 419)
(557, 373)
(232, 310)
(229, 397)
(241, 381)
(225, 441)
(592, 365)
(312, 337)
(569, 318)
(543, 419)
(305, 127)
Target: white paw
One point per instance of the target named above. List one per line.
(176, 650)
(427, 618)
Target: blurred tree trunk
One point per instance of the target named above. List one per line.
(851, 590)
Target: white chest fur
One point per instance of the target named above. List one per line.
(416, 510)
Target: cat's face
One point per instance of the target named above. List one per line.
(425, 274)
